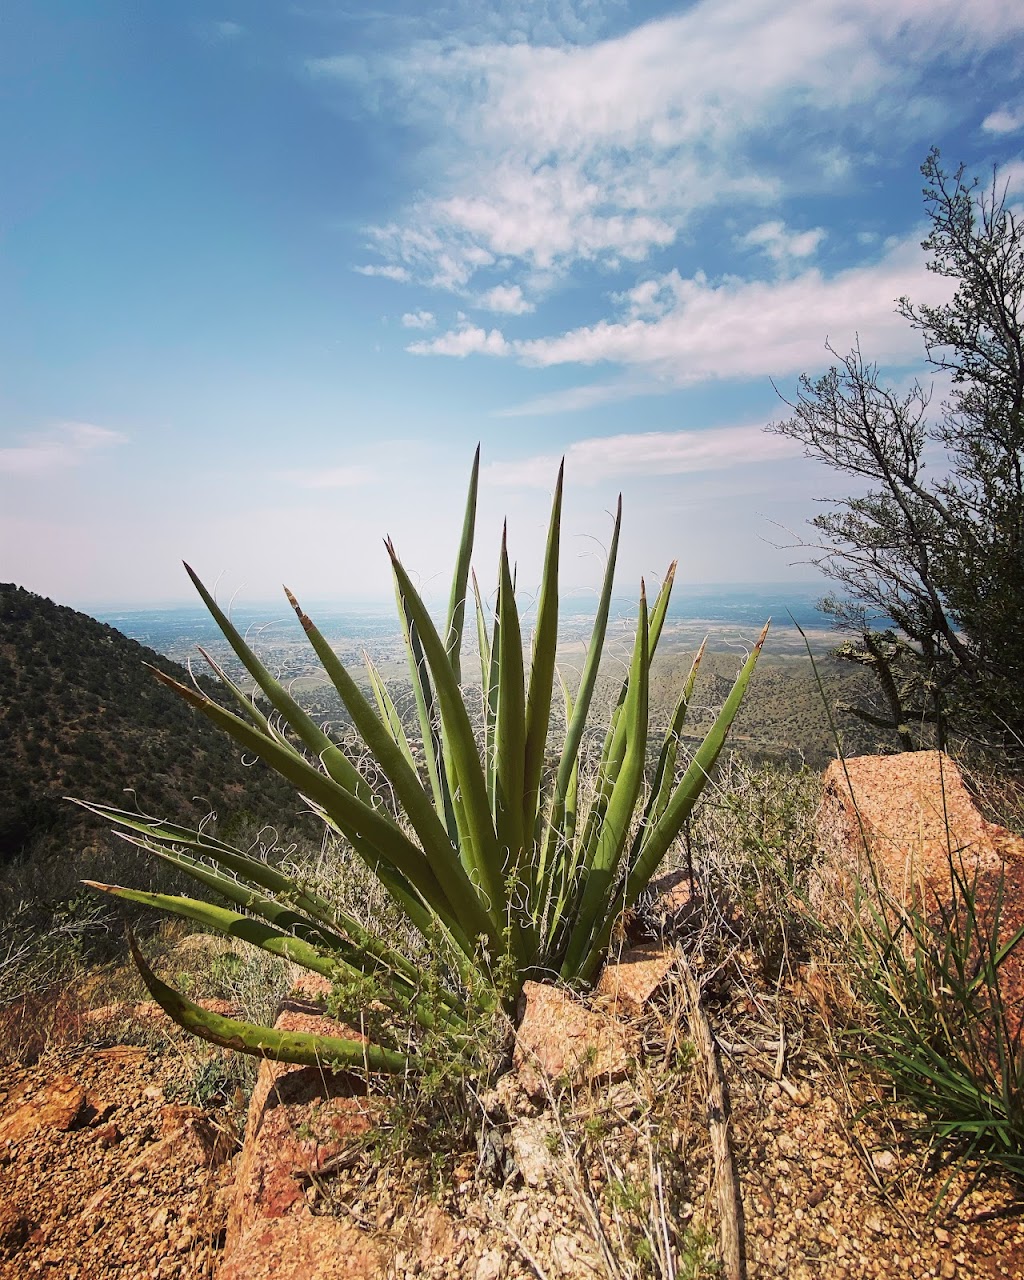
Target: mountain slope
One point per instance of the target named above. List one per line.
(80, 714)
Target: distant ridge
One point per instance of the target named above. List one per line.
(81, 715)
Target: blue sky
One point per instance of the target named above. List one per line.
(269, 271)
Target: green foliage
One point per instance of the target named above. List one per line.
(940, 558)
(79, 711)
(942, 1029)
(510, 867)
(754, 846)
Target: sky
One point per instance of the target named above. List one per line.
(269, 271)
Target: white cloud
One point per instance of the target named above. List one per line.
(1006, 120)
(691, 330)
(467, 339)
(391, 272)
(1012, 175)
(507, 298)
(549, 154)
(587, 396)
(647, 453)
(780, 244)
(66, 445)
(419, 320)
(329, 477)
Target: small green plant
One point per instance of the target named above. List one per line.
(509, 870)
(942, 1029)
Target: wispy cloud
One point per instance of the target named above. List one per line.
(588, 396)
(647, 453)
(330, 477)
(213, 32)
(1007, 119)
(780, 244)
(551, 154)
(468, 339)
(688, 330)
(506, 298)
(419, 320)
(66, 445)
(387, 272)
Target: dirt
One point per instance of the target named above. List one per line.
(103, 1174)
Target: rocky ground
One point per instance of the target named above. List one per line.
(102, 1174)
(106, 1171)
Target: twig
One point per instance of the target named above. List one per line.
(730, 1210)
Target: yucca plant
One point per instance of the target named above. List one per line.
(509, 867)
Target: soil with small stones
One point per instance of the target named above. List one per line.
(102, 1174)
(121, 1178)
(822, 1195)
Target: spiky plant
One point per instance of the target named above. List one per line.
(508, 868)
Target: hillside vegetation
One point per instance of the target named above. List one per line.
(81, 714)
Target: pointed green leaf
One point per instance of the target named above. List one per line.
(232, 923)
(542, 668)
(374, 837)
(437, 847)
(596, 901)
(457, 602)
(660, 838)
(461, 743)
(338, 766)
(510, 727)
(299, 1047)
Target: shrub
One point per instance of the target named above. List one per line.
(508, 869)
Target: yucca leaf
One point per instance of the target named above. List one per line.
(457, 601)
(242, 700)
(490, 695)
(595, 901)
(373, 837)
(437, 847)
(488, 687)
(232, 923)
(664, 774)
(460, 742)
(510, 726)
(260, 873)
(423, 694)
(680, 806)
(389, 713)
(334, 760)
(614, 749)
(554, 845)
(280, 1046)
(542, 668)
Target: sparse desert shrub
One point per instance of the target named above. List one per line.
(753, 846)
(507, 870)
(941, 1028)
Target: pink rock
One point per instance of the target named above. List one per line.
(301, 1121)
(57, 1105)
(559, 1037)
(919, 824)
(628, 981)
(303, 1248)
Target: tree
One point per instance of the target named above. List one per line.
(937, 561)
